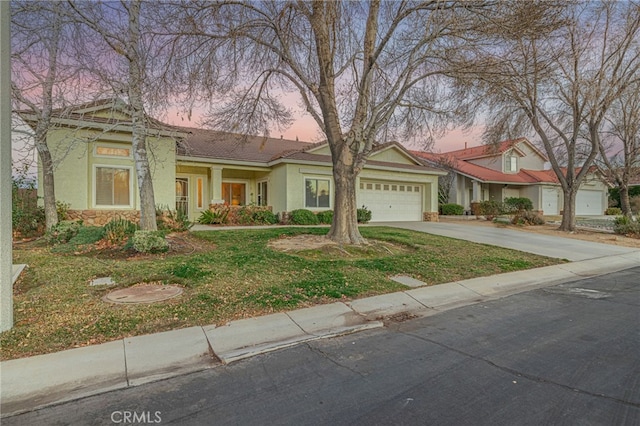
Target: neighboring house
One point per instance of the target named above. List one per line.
(515, 168)
(193, 168)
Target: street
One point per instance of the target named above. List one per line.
(563, 355)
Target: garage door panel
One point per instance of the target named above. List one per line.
(391, 201)
(550, 197)
(589, 202)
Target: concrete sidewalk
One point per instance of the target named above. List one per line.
(30, 383)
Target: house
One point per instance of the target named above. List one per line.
(194, 168)
(514, 168)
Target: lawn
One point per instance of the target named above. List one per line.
(226, 275)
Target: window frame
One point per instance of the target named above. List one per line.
(259, 192)
(232, 181)
(94, 187)
(114, 146)
(314, 178)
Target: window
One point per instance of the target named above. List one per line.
(317, 192)
(182, 195)
(200, 193)
(234, 194)
(511, 163)
(113, 186)
(109, 151)
(262, 193)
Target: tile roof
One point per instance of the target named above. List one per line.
(484, 150)
(485, 174)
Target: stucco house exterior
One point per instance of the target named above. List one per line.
(515, 168)
(194, 168)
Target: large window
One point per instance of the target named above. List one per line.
(234, 194)
(113, 186)
(317, 192)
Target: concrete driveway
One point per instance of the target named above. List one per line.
(545, 245)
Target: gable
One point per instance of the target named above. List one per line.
(392, 154)
(320, 150)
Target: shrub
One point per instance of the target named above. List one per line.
(363, 215)
(325, 217)
(149, 242)
(62, 210)
(613, 211)
(27, 218)
(303, 217)
(490, 209)
(216, 215)
(517, 204)
(635, 204)
(264, 217)
(624, 225)
(527, 217)
(119, 230)
(62, 232)
(451, 209)
(172, 220)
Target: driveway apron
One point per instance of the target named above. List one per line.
(545, 245)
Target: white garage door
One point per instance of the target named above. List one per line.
(550, 198)
(391, 201)
(589, 203)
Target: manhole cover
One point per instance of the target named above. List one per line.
(146, 293)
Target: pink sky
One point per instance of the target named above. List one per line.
(306, 129)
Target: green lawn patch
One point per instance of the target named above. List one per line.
(226, 275)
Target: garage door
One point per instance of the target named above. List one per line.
(550, 198)
(589, 203)
(391, 201)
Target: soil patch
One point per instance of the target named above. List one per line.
(319, 247)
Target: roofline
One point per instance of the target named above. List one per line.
(88, 124)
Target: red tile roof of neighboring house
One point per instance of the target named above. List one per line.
(485, 174)
(483, 150)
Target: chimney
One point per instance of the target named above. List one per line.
(280, 136)
(465, 145)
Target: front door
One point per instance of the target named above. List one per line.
(182, 195)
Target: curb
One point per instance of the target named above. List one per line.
(35, 382)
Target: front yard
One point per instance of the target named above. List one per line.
(226, 275)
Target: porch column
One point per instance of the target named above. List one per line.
(477, 196)
(216, 185)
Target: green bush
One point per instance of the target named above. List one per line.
(149, 242)
(119, 230)
(517, 204)
(62, 232)
(527, 217)
(62, 210)
(325, 217)
(613, 211)
(624, 225)
(490, 209)
(451, 209)
(264, 217)
(363, 215)
(216, 215)
(303, 217)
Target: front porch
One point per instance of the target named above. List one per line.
(199, 186)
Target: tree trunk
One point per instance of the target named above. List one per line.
(344, 229)
(48, 188)
(625, 203)
(568, 214)
(138, 137)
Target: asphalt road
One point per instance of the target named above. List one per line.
(564, 355)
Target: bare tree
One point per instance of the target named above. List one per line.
(41, 78)
(621, 155)
(365, 71)
(555, 69)
(118, 30)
